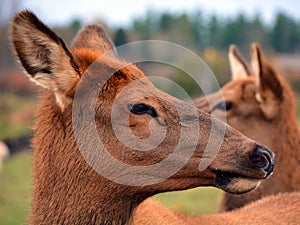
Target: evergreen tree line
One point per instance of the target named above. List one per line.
(201, 31)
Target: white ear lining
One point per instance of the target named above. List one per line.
(258, 97)
(238, 65)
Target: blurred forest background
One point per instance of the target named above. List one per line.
(208, 35)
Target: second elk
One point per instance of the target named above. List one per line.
(260, 104)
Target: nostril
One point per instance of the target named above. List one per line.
(262, 159)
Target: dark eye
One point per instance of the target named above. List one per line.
(224, 106)
(142, 108)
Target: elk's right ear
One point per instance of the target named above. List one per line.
(44, 56)
(94, 37)
(239, 66)
(269, 90)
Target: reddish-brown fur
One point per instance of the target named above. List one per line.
(66, 189)
(272, 210)
(263, 108)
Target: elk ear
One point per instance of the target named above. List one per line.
(269, 90)
(44, 56)
(239, 66)
(94, 37)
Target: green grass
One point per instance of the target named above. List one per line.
(15, 189)
(202, 200)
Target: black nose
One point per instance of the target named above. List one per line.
(263, 158)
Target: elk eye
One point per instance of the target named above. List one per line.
(224, 106)
(142, 108)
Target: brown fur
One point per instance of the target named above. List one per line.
(66, 190)
(263, 108)
(280, 209)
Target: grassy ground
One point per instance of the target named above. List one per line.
(192, 202)
(15, 189)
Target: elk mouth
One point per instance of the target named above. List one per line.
(235, 183)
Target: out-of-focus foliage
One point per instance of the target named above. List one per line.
(201, 31)
(284, 36)
(120, 37)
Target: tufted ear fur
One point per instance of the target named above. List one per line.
(239, 66)
(44, 56)
(269, 90)
(94, 37)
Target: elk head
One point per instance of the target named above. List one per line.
(255, 100)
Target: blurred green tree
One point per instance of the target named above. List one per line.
(285, 33)
(120, 37)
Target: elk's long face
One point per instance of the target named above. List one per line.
(144, 137)
(254, 101)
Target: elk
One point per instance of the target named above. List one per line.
(260, 103)
(67, 185)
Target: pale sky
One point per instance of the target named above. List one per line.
(120, 12)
